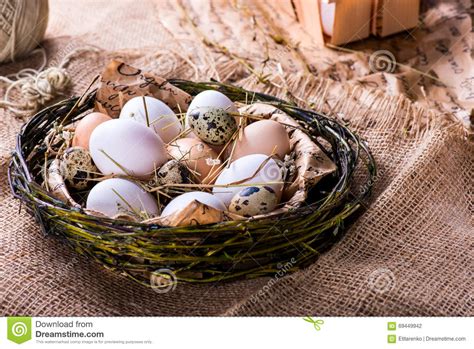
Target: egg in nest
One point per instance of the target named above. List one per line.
(197, 156)
(173, 172)
(252, 201)
(77, 167)
(212, 125)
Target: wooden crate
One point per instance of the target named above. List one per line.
(355, 19)
(393, 16)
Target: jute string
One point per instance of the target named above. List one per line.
(37, 87)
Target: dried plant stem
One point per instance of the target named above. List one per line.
(278, 36)
(348, 50)
(203, 186)
(147, 118)
(79, 100)
(221, 48)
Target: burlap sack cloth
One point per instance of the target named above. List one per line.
(410, 253)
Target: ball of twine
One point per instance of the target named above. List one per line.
(22, 27)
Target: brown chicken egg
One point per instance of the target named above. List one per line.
(198, 157)
(262, 137)
(216, 148)
(85, 127)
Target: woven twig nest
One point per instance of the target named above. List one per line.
(150, 252)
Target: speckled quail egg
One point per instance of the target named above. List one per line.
(173, 172)
(212, 125)
(252, 201)
(77, 167)
(211, 98)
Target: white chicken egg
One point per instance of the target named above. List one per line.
(212, 99)
(126, 147)
(120, 196)
(249, 169)
(328, 11)
(183, 200)
(160, 117)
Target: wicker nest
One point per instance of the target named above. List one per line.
(203, 253)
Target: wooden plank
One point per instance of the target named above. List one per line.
(393, 16)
